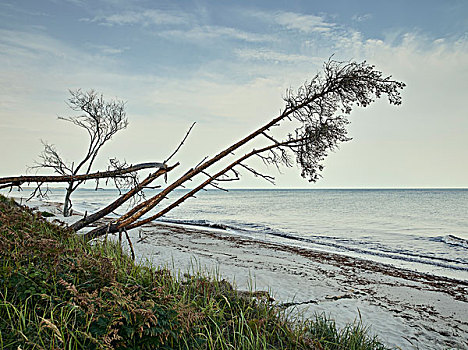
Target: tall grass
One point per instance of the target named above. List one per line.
(58, 292)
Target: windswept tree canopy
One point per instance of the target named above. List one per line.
(322, 106)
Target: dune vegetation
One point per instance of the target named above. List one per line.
(59, 292)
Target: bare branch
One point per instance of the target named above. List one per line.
(180, 144)
(115, 226)
(38, 191)
(130, 245)
(18, 180)
(315, 117)
(269, 137)
(270, 179)
(214, 184)
(228, 179)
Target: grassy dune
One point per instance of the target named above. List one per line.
(58, 292)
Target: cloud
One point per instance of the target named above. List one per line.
(77, 2)
(179, 25)
(304, 23)
(275, 56)
(362, 18)
(21, 44)
(106, 49)
(202, 33)
(9, 9)
(228, 97)
(28, 51)
(35, 64)
(146, 17)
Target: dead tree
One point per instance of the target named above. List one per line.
(316, 117)
(101, 119)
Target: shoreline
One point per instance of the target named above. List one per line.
(293, 245)
(452, 286)
(406, 309)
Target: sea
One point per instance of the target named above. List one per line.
(423, 230)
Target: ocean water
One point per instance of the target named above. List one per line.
(418, 229)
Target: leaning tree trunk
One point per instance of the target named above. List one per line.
(88, 219)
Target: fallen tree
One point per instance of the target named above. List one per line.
(316, 130)
(313, 123)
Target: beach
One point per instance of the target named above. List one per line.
(406, 309)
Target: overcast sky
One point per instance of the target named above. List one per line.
(226, 65)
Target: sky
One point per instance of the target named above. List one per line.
(226, 66)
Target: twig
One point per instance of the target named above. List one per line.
(180, 144)
(130, 244)
(215, 185)
(270, 179)
(196, 166)
(270, 138)
(38, 189)
(227, 178)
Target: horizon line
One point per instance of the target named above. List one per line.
(289, 188)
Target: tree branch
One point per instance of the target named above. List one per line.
(180, 144)
(18, 180)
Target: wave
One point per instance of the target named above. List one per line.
(243, 228)
(203, 223)
(339, 244)
(452, 240)
(382, 252)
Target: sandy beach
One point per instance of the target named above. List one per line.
(408, 310)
